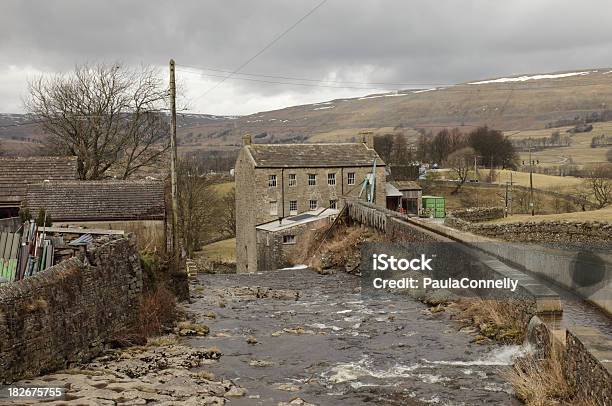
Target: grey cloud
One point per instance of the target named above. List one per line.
(396, 41)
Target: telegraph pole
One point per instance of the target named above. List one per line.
(173, 163)
(531, 203)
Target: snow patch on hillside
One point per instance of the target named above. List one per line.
(425, 90)
(533, 77)
(324, 108)
(376, 96)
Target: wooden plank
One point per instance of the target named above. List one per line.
(9, 246)
(67, 230)
(15, 246)
(3, 237)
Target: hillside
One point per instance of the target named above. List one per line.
(527, 102)
(518, 103)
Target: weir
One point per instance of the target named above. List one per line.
(587, 348)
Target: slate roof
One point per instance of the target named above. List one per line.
(17, 173)
(313, 155)
(98, 200)
(406, 185)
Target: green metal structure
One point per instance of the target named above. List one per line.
(434, 206)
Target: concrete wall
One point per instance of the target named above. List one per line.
(67, 313)
(9, 225)
(399, 227)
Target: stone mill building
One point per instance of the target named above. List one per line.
(278, 181)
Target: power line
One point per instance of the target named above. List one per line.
(292, 83)
(264, 49)
(198, 69)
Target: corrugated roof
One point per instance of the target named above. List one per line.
(313, 155)
(17, 173)
(392, 191)
(98, 200)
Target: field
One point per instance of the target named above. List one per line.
(224, 188)
(579, 152)
(561, 184)
(599, 215)
(222, 251)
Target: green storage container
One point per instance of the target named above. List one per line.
(434, 205)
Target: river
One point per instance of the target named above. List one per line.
(332, 347)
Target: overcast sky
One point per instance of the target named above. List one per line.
(391, 41)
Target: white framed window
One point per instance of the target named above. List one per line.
(312, 204)
(333, 204)
(331, 179)
(351, 178)
(293, 207)
(312, 179)
(273, 208)
(292, 179)
(272, 181)
(289, 239)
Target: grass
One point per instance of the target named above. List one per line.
(223, 188)
(580, 152)
(542, 182)
(500, 320)
(604, 214)
(222, 251)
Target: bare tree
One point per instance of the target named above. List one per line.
(228, 215)
(460, 163)
(198, 207)
(106, 115)
(600, 184)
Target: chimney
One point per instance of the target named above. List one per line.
(367, 137)
(246, 139)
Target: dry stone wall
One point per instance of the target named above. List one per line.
(478, 214)
(539, 231)
(68, 313)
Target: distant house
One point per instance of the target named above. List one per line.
(275, 181)
(17, 173)
(134, 206)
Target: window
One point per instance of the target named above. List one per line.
(312, 204)
(333, 204)
(331, 179)
(273, 208)
(292, 207)
(312, 179)
(272, 181)
(288, 239)
(351, 178)
(292, 179)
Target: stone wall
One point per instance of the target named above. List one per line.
(69, 312)
(9, 225)
(587, 365)
(539, 231)
(478, 214)
(586, 358)
(273, 254)
(254, 197)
